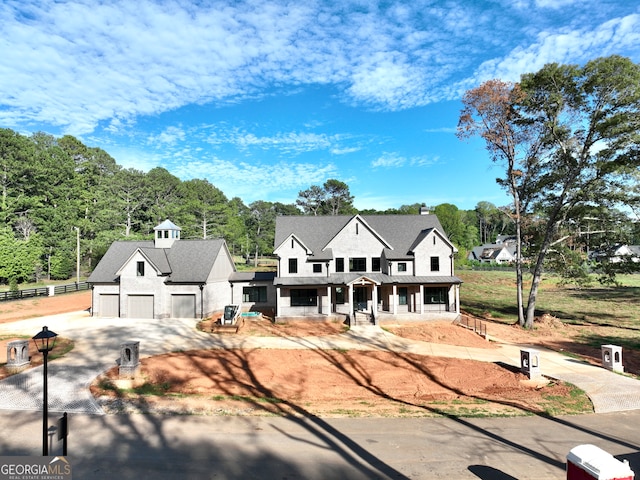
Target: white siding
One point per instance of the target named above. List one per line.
(355, 241)
(151, 284)
(294, 249)
(433, 245)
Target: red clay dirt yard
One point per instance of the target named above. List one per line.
(330, 382)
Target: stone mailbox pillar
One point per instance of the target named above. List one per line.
(612, 358)
(530, 363)
(129, 359)
(17, 355)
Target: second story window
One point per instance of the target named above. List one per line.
(358, 264)
(402, 266)
(140, 269)
(375, 264)
(339, 264)
(435, 264)
(293, 265)
(317, 268)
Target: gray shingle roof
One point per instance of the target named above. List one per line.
(252, 276)
(118, 253)
(400, 231)
(158, 256)
(187, 261)
(192, 260)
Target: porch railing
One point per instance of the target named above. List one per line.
(477, 326)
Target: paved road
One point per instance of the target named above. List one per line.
(192, 447)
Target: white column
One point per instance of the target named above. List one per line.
(278, 301)
(374, 297)
(457, 290)
(421, 299)
(330, 307)
(351, 309)
(394, 299)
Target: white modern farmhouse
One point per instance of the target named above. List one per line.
(365, 267)
(361, 268)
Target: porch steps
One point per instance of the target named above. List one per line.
(362, 319)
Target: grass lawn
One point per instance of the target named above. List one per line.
(493, 293)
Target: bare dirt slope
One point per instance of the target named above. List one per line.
(329, 382)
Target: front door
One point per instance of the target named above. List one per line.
(360, 295)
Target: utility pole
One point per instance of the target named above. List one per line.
(77, 254)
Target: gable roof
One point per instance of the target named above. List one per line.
(192, 260)
(490, 251)
(399, 231)
(118, 253)
(187, 261)
(358, 217)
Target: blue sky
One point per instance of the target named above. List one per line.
(266, 98)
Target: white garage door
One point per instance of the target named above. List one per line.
(140, 306)
(109, 305)
(183, 306)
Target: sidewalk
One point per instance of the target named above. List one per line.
(98, 345)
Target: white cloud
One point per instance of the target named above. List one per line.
(565, 46)
(555, 4)
(394, 160)
(78, 65)
(171, 135)
(389, 160)
(344, 150)
(253, 181)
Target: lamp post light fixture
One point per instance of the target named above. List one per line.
(45, 341)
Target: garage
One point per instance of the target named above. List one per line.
(109, 305)
(183, 306)
(140, 306)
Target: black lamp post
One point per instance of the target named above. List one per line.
(45, 341)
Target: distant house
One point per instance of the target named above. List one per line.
(364, 266)
(618, 254)
(167, 277)
(503, 251)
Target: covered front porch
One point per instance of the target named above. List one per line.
(370, 294)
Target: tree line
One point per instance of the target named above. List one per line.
(58, 190)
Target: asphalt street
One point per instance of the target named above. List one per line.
(216, 447)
